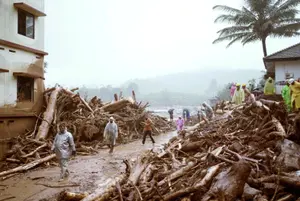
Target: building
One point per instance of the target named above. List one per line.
(284, 64)
(21, 66)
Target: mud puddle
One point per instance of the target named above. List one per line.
(87, 172)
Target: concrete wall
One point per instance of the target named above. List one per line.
(18, 117)
(9, 24)
(20, 61)
(283, 67)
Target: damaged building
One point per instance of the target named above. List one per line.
(21, 66)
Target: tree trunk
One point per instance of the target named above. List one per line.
(27, 166)
(264, 46)
(48, 115)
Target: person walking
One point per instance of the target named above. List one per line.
(239, 95)
(179, 124)
(171, 112)
(148, 130)
(203, 116)
(111, 134)
(295, 94)
(269, 88)
(286, 95)
(64, 147)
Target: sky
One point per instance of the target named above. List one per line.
(101, 42)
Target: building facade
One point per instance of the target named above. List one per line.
(21, 66)
(285, 64)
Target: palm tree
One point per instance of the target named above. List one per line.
(259, 19)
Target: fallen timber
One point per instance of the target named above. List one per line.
(251, 155)
(86, 121)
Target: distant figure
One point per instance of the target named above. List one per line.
(208, 110)
(171, 112)
(244, 87)
(286, 95)
(269, 88)
(148, 130)
(232, 89)
(295, 94)
(249, 97)
(64, 147)
(186, 114)
(239, 95)
(202, 115)
(111, 134)
(179, 124)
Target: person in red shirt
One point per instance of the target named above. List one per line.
(148, 130)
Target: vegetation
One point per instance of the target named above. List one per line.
(259, 19)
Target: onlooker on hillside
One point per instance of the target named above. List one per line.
(179, 124)
(208, 110)
(295, 94)
(239, 95)
(171, 112)
(286, 95)
(249, 97)
(269, 88)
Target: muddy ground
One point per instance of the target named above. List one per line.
(87, 172)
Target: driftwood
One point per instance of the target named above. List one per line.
(48, 115)
(230, 183)
(27, 166)
(115, 106)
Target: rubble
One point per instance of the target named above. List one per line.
(245, 155)
(85, 120)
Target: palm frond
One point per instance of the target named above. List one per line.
(227, 9)
(249, 39)
(231, 37)
(233, 29)
(288, 28)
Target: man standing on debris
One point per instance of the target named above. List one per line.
(171, 111)
(202, 115)
(249, 97)
(239, 95)
(286, 95)
(111, 134)
(208, 110)
(64, 148)
(269, 88)
(148, 130)
(295, 94)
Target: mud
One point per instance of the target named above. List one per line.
(87, 172)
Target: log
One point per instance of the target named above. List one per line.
(70, 196)
(139, 167)
(48, 115)
(279, 127)
(230, 183)
(34, 151)
(116, 106)
(27, 166)
(70, 93)
(101, 193)
(211, 172)
(177, 174)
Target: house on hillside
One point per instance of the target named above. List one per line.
(285, 64)
(21, 65)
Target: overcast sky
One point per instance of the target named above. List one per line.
(100, 42)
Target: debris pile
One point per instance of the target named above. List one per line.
(85, 120)
(246, 155)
